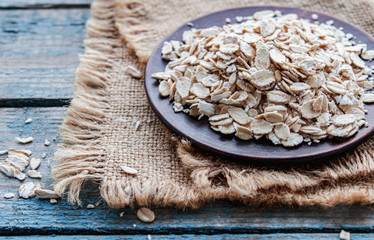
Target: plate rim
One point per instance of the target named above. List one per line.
(342, 147)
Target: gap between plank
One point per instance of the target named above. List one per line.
(35, 102)
(18, 231)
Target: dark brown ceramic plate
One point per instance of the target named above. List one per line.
(231, 147)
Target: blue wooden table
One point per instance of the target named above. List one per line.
(39, 45)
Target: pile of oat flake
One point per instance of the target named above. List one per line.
(271, 75)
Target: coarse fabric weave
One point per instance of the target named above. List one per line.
(99, 134)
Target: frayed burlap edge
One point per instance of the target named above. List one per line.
(80, 155)
(335, 184)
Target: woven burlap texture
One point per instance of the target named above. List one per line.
(99, 134)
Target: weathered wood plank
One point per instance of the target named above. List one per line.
(198, 237)
(10, 4)
(19, 218)
(33, 216)
(39, 52)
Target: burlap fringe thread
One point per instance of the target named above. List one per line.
(82, 156)
(331, 185)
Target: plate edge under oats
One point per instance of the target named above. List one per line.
(230, 147)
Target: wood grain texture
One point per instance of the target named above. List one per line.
(198, 237)
(19, 218)
(33, 216)
(24, 4)
(39, 52)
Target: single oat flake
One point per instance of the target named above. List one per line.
(133, 71)
(129, 170)
(276, 76)
(34, 174)
(90, 206)
(25, 140)
(145, 215)
(46, 194)
(343, 235)
(9, 195)
(27, 121)
(34, 163)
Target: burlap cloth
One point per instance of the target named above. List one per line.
(99, 135)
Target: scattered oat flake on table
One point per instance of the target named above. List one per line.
(15, 163)
(145, 215)
(25, 140)
(47, 143)
(35, 163)
(9, 195)
(19, 161)
(256, 79)
(121, 214)
(345, 235)
(27, 190)
(34, 174)
(314, 16)
(7, 169)
(20, 176)
(129, 170)
(133, 72)
(22, 151)
(11, 171)
(90, 206)
(149, 237)
(44, 155)
(29, 120)
(46, 194)
(53, 201)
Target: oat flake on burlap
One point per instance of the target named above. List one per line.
(99, 134)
